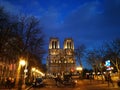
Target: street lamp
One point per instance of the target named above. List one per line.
(22, 62)
(22, 71)
(33, 69)
(33, 73)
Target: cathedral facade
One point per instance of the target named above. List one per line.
(61, 59)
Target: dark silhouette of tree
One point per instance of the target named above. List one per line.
(4, 19)
(23, 34)
(79, 53)
(95, 58)
(9, 42)
(113, 53)
(21, 37)
(30, 32)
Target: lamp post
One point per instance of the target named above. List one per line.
(33, 73)
(20, 74)
(25, 70)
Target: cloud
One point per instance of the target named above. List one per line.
(112, 12)
(86, 22)
(10, 7)
(91, 24)
(50, 21)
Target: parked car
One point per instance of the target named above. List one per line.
(38, 82)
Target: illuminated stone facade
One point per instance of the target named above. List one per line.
(60, 60)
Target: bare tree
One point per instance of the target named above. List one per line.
(113, 53)
(29, 30)
(22, 36)
(95, 58)
(9, 41)
(79, 53)
(4, 19)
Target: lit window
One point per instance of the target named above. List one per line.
(71, 61)
(56, 61)
(65, 61)
(51, 61)
(59, 61)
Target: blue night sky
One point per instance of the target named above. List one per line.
(88, 22)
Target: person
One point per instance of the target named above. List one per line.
(8, 82)
(90, 77)
(58, 80)
(110, 80)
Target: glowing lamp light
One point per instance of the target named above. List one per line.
(22, 62)
(79, 68)
(26, 70)
(33, 69)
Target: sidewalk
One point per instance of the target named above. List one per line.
(23, 87)
(100, 83)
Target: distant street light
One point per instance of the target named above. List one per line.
(36, 72)
(33, 69)
(79, 68)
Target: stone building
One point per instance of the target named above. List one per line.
(61, 59)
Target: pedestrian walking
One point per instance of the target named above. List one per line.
(110, 80)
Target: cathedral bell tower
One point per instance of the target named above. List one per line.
(60, 60)
(69, 54)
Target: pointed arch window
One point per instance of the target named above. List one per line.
(52, 44)
(67, 44)
(55, 44)
(70, 45)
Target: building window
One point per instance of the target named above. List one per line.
(52, 44)
(70, 61)
(65, 61)
(67, 45)
(55, 44)
(56, 61)
(70, 45)
(59, 61)
(51, 61)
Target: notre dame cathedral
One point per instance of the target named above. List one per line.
(61, 59)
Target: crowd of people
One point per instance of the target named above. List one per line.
(8, 82)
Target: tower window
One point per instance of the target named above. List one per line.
(54, 44)
(67, 44)
(70, 45)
